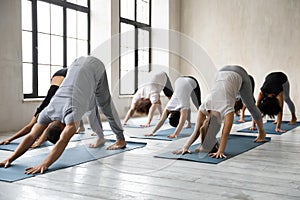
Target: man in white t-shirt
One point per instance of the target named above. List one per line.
(147, 98)
(219, 106)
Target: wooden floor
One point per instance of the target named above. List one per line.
(270, 171)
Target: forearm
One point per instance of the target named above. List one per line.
(151, 113)
(55, 153)
(60, 146)
(129, 114)
(161, 121)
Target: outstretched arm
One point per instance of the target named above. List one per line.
(195, 135)
(183, 117)
(25, 144)
(56, 152)
(129, 113)
(228, 121)
(151, 113)
(159, 123)
(26, 129)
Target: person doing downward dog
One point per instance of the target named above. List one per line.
(147, 97)
(56, 81)
(218, 106)
(83, 90)
(274, 91)
(178, 107)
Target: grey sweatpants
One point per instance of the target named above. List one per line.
(245, 90)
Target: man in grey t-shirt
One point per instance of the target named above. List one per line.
(84, 88)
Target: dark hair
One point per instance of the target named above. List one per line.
(270, 106)
(53, 132)
(238, 106)
(143, 106)
(174, 118)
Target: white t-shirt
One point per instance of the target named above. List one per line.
(223, 94)
(151, 89)
(181, 96)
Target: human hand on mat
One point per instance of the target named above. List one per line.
(5, 142)
(36, 169)
(36, 144)
(5, 163)
(252, 128)
(145, 125)
(172, 136)
(218, 155)
(150, 134)
(241, 120)
(182, 151)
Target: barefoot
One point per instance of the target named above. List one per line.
(93, 134)
(119, 144)
(99, 142)
(293, 121)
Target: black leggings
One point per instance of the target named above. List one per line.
(52, 90)
(196, 94)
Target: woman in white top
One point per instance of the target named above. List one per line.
(147, 97)
(179, 105)
(218, 106)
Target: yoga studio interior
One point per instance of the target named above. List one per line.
(149, 99)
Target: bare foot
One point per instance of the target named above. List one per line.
(93, 134)
(119, 144)
(293, 121)
(99, 142)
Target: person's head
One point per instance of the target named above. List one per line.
(238, 106)
(53, 131)
(174, 118)
(143, 106)
(270, 106)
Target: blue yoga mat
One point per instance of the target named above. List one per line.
(236, 144)
(247, 118)
(71, 157)
(163, 134)
(77, 137)
(270, 128)
(136, 122)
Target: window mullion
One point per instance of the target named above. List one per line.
(34, 49)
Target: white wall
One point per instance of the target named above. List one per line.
(260, 35)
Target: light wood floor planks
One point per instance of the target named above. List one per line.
(270, 171)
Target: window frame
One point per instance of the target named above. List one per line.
(137, 25)
(65, 5)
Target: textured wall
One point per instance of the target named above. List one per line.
(261, 35)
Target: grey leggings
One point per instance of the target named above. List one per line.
(245, 90)
(286, 96)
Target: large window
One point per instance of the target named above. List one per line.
(54, 33)
(135, 42)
